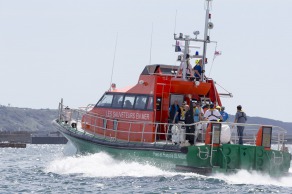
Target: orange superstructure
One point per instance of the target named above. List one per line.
(145, 103)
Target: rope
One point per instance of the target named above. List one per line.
(222, 88)
(113, 66)
(213, 60)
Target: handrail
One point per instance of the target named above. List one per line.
(76, 115)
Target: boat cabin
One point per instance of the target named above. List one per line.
(146, 103)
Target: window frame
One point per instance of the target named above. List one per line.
(133, 103)
(124, 96)
(146, 102)
(101, 99)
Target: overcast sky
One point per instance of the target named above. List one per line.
(53, 49)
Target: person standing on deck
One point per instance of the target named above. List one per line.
(240, 117)
(198, 112)
(189, 119)
(174, 112)
(174, 116)
(183, 111)
(224, 114)
(212, 114)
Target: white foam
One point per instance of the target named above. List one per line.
(255, 178)
(103, 165)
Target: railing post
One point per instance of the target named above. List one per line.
(94, 124)
(129, 132)
(104, 126)
(211, 157)
(115, 127)
(59, 110)
(278, 141)
(155, 133)
(142, 135)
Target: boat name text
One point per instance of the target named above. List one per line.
(127, 115)
(169, 155)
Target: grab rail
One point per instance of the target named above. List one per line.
(75, 115)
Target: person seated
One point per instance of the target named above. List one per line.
(140, 104)
(186, 64)
(128, 104)
(198, 70)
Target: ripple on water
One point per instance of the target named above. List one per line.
(51, 169)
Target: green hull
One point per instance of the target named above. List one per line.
(164, 160)
(226, 158)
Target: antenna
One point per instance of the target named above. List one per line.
(175, 21)
(174, 34)
(151, 44)
(213, 60)
(114, 61)
(206, 36)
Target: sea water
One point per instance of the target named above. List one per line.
(58, 169)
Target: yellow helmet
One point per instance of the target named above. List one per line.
(218, 107)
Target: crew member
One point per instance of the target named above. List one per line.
(198, 112)
(224, 114)
(212, 114)
(189, 119)
(240, 117)
(198, 70)
(174, 116)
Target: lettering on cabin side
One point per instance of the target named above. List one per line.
(127, 115)
(170, 155)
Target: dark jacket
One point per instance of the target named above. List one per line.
(172, 112)
(189, 115)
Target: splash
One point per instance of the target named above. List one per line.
(103, 165)
(255, 178)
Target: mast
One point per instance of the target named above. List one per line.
(186, 39)
(208, 26)
(186, 52)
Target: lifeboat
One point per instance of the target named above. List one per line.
(135, 123)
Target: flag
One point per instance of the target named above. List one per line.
(177, 47)
(217, 53)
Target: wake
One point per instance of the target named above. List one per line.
(103, 165)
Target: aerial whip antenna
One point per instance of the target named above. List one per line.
(175, 21)
(151, 44)
(113, 62)
(174, 32)
(213, 59)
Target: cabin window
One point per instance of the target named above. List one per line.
(176, 97)
(115, 124)
(118, 101)
(150, 103)
(158, 103)
(167, 70)
(140, 102)
(106, 100)
(129, 102)
(104, 121)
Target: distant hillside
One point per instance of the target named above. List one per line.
(259, 120)
(39, 120)
(26, 119)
